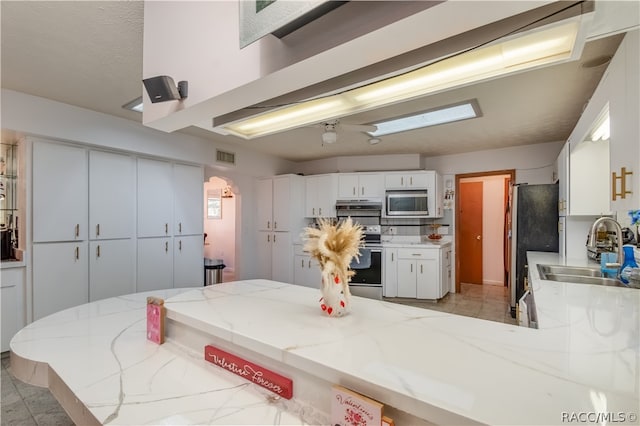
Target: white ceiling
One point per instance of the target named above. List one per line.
(89, 54)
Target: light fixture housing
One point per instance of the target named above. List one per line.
(135, 105)
(329, 136)
(557, 42)
(433, 117)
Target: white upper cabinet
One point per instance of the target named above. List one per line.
(406, 180)
(284, 195)
(321, 195)
(360, 186)
(188, 184)
(264, 190)
(60, 192)
(155, 198)
(111, 195)
(562, 164)
(280, 203)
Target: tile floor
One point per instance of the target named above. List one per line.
(25, 405)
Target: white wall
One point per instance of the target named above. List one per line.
(57, 121)
(360, 163)
(533, 163)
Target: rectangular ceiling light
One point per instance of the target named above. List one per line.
(434, 117)
(542, 46)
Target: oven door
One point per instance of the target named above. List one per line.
(367, 282)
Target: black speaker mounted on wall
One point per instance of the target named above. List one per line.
(162, 89)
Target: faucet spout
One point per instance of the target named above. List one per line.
(592, 235)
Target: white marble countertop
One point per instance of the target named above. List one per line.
(445, 368)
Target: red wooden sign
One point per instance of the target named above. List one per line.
(269, 380)
(155, 320)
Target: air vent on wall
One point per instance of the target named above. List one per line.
(225, 157)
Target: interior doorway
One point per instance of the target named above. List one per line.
(483, 225)
(220, 205)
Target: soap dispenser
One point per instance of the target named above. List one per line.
(628, 264)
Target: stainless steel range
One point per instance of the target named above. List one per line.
(367, 282)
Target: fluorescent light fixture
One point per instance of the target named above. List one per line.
(602, 131)
(134, 105)
(442, 115)
(542, 46)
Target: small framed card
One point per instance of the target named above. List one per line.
(155, 320)
(349, 408)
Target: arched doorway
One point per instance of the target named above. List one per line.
(220, 224)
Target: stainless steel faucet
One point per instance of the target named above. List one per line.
(592, 236)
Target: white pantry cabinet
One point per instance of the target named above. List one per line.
(187, 261)
(112, 268)
(155, 264)
(280, 203)
(275, 254)
(155, 198)
(188, 187)
(360, 186)
(60, 277)
(60, 192)
(321, 195)
(407, 180)
(112, 195)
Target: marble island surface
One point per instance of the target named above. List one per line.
(436, 366)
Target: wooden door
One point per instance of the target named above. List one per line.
(470, 248)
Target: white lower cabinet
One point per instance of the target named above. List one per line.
(419, 273)
(112, 268)
(275, 251)
(155, 264)
(12, 304)
(60, 277)
(188, 261)
(306, 270)
(390, 271)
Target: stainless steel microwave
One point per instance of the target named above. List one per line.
(407, 203)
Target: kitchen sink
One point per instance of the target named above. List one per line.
(576, 275)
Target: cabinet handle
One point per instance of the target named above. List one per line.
(401, 180)
(362, 190)
(392, 257)
(354, 190)
(274, 238)
(98, 251)
(623, 184)
(268, 238)
(268, 224)
(180, 227)
(416, 254)
(309, 263)
(77, 252)
(166, 246)
(302, 263)
(411, 267)
(180, 245)
(166, 228)
(77, 229)
(275, 225)
(421, 271)
(97, 230)
(313, 211)
(319, 211)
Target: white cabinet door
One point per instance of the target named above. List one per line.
(60, 192)
(60, 277)
(300, 269)
(188, 269)
(405, 180)
(264, 188)
(589, 187)
(418, 180)
(265, 243)
(155, 198)
(112, 268)
(282, 203)
(12, 304)
(562, 238)
(390, 283)
(407, 278)
(111, 195)
(311, 204)
(281, 257)
(348, 186)
(321, 195)
(428, 278)
(394, 181)
(188, 187)
(155, 264)
(371, 185)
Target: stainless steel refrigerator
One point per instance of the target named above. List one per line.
(534, 227)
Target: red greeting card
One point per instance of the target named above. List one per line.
(349, 408)
(155, 320)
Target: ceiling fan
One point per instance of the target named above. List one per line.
(331, 128)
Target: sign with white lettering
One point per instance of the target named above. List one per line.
(261, 376)
(155, 320)
(349, 408)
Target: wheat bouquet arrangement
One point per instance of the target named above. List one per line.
(334, 246)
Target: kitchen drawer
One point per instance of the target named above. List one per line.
(298, 250)
(409, 253)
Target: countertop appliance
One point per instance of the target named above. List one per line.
(534, 216)
(409, 203)
(367, 282)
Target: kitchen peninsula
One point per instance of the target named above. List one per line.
(421, 364)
